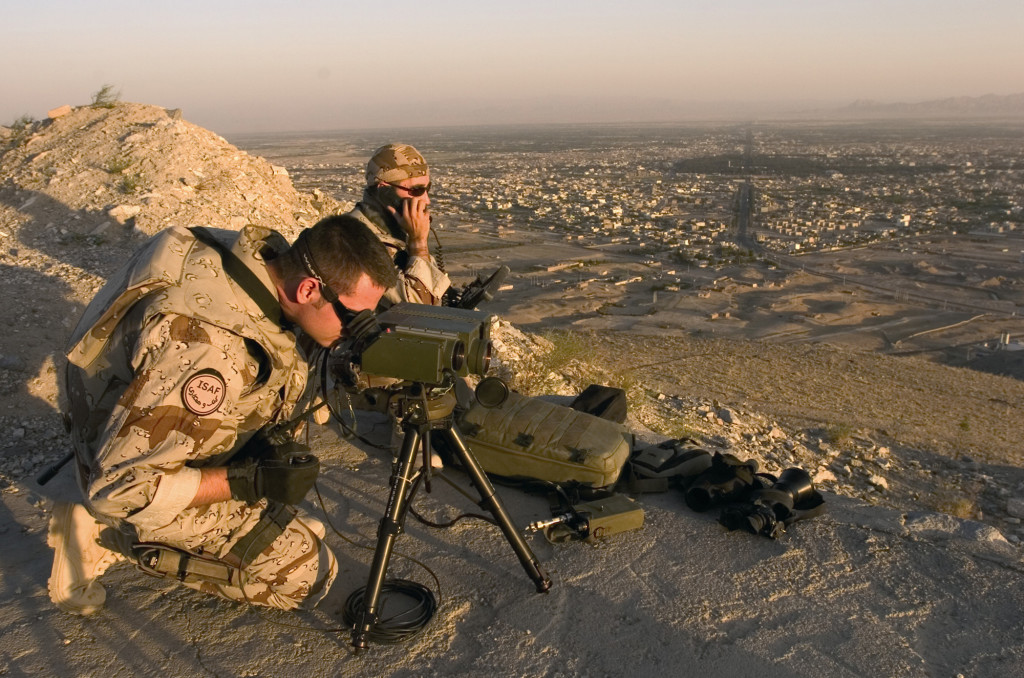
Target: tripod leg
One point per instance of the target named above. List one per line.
(490, 501)
(387, 531)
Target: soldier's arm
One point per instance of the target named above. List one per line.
(177, 416)
(213, 487)
(422, 281)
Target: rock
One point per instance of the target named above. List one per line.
(727, 416)
(58, 112)
(18, 433)
(1015, 507)
(942, 525)
(844, 469)
(824, 476)
(122, 213)
(878, 481)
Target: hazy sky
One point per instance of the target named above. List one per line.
(329, 64)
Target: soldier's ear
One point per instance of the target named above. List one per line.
(307, 290)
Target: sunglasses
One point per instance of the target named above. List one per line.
(414, 191)
(361, 325)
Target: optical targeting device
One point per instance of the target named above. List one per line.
(429, 345)
(423, 350)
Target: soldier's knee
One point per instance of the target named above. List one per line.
(314, 525)
(327, 571)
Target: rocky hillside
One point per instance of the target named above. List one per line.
(145, 168)
(79, 191)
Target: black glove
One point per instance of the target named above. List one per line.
(284, 479)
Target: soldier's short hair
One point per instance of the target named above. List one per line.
(393, 163)
(344, 249)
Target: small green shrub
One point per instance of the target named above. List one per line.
(118, 165)
(567, 346)
(130, 183)
(838, 433)
(957, 506)
(21, 128)
(105, 97)
(23, 123)
(962, 443)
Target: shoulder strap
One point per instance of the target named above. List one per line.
(240, 273)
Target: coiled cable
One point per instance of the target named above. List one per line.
(402, 625)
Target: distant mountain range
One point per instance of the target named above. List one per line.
(987, 106)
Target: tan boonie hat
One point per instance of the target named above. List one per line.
(394, 163)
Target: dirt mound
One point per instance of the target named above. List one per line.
(147, 168)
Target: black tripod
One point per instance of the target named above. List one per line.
(420, 414)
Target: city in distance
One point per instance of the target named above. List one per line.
(902, 237)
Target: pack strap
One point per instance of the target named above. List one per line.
(242, 275)
(271, 525)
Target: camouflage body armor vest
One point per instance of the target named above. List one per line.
(175, 274)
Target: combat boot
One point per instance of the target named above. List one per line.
(78, 559)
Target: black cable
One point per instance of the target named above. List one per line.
(439, 252)
(347, 430)
(442, 526)
(402, 625)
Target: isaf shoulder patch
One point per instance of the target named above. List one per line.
(204, 392)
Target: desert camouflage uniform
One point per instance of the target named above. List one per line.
(420, 280)
(173, 368)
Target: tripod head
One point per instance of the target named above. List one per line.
(435, 404)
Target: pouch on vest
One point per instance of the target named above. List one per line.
(530, 438)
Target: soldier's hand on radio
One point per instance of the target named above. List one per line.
(284, 480)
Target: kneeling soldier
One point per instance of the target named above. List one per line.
(181, 363)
